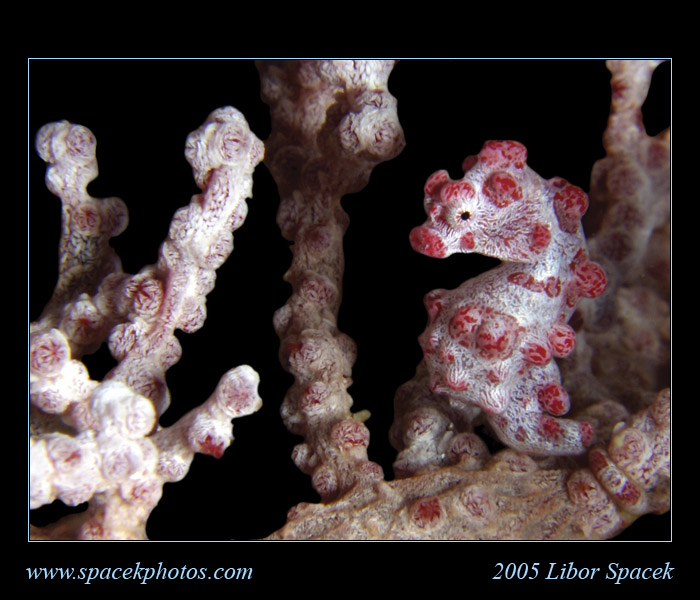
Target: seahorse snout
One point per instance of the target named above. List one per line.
(428, 242)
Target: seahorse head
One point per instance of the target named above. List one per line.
(500, 208)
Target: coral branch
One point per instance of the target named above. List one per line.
(628, 329)
(503, 497)
(100, 442)
(324, 146)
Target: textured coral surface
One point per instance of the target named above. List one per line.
(101, 443)
(560, 120)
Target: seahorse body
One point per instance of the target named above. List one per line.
(491, 341)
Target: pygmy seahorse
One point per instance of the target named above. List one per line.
(490, 342)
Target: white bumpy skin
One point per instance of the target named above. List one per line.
(490, 343)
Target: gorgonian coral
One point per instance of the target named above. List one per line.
(450, 477)
(100, 442)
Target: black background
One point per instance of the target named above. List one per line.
(141, 112)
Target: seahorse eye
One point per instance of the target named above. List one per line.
(465, 215)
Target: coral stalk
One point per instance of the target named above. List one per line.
(324, 146)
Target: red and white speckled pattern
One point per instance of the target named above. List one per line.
(490, 342)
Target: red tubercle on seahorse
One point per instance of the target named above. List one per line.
(562, 339)
(554, 399)
(503, 154)
(497, 336)
(456, 189)
(511, 321)
(435, 182)
(540, 237)
(570, 204)
(501, 189)
(467, 242)
(537, 354)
